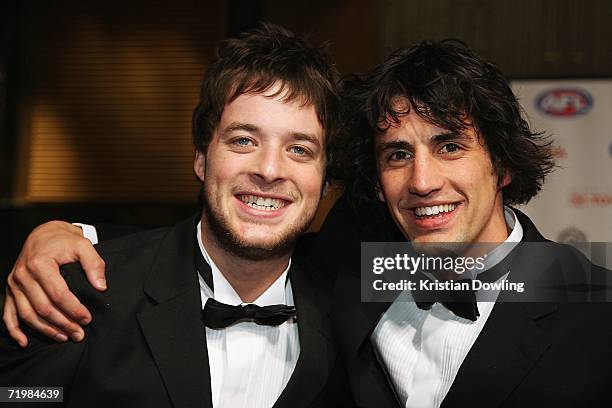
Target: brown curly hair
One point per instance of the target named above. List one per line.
(450, 86)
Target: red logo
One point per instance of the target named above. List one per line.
(578, 200)
(601, 200)
(564, 102)
(558, 152)
(591, 199)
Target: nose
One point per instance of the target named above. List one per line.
(425, 176)
(269, 166)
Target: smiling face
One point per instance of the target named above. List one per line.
(439, 186)
(263, 175)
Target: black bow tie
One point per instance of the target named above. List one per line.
(218, 315)
(461, 302)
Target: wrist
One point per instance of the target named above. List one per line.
(87, 231)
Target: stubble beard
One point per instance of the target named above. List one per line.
(229, 241)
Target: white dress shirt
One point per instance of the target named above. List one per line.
(89, 231)
(250, 364)
(422, 350)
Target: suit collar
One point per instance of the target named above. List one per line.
(511, 341)
(354, 322)
(504, 352)
(317, 352)
(173, 269)
(172, 325)
(530, 232)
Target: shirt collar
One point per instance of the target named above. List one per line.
(515, 236)
(225, 293)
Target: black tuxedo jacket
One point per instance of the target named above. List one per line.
(528, 354)
(146, 345)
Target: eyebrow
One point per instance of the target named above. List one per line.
(450, 137)
(394, 145)
(439, 138)
(236, 126)
(306, 137)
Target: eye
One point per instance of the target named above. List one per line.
(400, 155)
(299, 150)
(450, 148)
(242, 141)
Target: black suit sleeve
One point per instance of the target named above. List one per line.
(106, 232)
(43, 363)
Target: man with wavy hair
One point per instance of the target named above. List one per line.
(223, 309)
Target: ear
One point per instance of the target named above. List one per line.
(379, 193)
(325, 188)
(505, 180)
(199, 165)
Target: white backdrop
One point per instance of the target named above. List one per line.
(576, 201)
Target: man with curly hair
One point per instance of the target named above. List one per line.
(437, 143)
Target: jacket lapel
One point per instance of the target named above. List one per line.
(354, 323)
(317, 352)
(511, 341)
(172, 326)
(374, 388)
(506, 349)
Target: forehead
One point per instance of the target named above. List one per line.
(273, 112)
(412, 126)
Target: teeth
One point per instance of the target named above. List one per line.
(262, 203)
(433, 210)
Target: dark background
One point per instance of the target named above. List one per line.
(41, 58)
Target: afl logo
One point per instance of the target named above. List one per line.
(564, 102)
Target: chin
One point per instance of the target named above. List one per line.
(262, 250)
(260, 236)
(434, 237)
(262, 244)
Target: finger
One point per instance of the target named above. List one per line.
(93, 264)
(57, 296)
(11, 321)
(35, 301)
(32, 319)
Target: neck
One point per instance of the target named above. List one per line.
(249, 278)
(496, 233)
(500, 229)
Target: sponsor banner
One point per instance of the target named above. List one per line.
(564, 102)
(576, 201)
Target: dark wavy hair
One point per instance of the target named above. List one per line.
(256, 60)
(448, 85)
